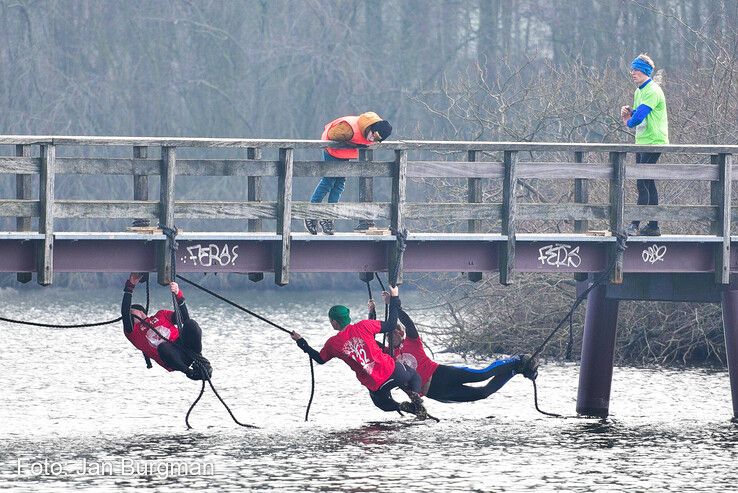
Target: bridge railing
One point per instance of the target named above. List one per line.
(508, 171)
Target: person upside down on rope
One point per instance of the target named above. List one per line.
(446, 383)
(159, 338)
(376, 370)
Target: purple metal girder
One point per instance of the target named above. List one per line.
(339, 256)
(17, 256)
(664, 256)
(451, 256)
(225, 256)
(565, 256)
(104, 256)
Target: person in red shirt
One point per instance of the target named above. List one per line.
(447, 383)
(159, 338)
(362, 131)
(354, 344)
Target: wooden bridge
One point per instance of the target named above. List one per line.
(689, 267)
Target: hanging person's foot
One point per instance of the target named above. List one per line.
(200, 369)
(418, 407)
(312, 226)
(632, 230)
(327, 226)
(528, 366)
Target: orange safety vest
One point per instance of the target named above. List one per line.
(358, 138)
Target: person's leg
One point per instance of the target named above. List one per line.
(191, 337)
(407, 378)
(339, 185)
(467, 393)
(463, 374)
(174, 357)
(447, 384)
(647, 193)
(383, 399)
(325, 185)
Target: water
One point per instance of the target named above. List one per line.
(78, 401)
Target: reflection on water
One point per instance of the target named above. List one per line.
(80, 399)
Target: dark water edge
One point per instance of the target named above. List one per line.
(78, 395)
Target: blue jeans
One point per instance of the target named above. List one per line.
(331, 185)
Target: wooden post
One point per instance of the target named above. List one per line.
(474, 196)
(141, 184)
(399, 190)
(598, 348)
(581, 196)
(509, 207)
(722, 196)
(254, 195)
(284, 216)
(617, 210)
(366, 188)
(23, 184)
(45, 252)
(166, 210)
(729, 299)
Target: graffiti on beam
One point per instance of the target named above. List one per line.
(559, 255)
(653, 254)
(210, 255)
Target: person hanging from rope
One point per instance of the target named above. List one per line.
(159, 338)
(446, 383)
(377, 371)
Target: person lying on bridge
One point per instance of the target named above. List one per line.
(446, 383)
(363, 130)
(377, 371)
(159, 338)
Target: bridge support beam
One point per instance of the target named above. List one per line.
(730, 328)
(598, 347)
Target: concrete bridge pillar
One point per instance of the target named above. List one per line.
(598, 347)
(730, 327)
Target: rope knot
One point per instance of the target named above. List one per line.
(401, 237)
(171, 234)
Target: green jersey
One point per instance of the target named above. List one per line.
(655, 128)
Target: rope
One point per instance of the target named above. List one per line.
(277, 326)
(60, 326)
(599, 280)
(171, 234)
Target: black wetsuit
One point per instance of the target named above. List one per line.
(402, 376)
(177, 355)
(447, 382)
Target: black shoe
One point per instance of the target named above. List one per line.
(312, 226)
(327, 226)
(418, 408)
(364, 225)
(407, 407)
(632, 230)
(651, 230)
(200, 369)
(528, 366)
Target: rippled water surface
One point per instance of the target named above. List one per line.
(78, 401)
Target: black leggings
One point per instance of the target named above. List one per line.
(447, 384)
(403, 377)
(178, 355)
(647, 193)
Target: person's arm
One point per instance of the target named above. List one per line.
(637, 117)
(125, 306)
(372, 310)
(410, 329)
(394, 306)
(174, 287)
(303, 344)
(340, 132)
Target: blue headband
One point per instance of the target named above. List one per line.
(642, 66)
